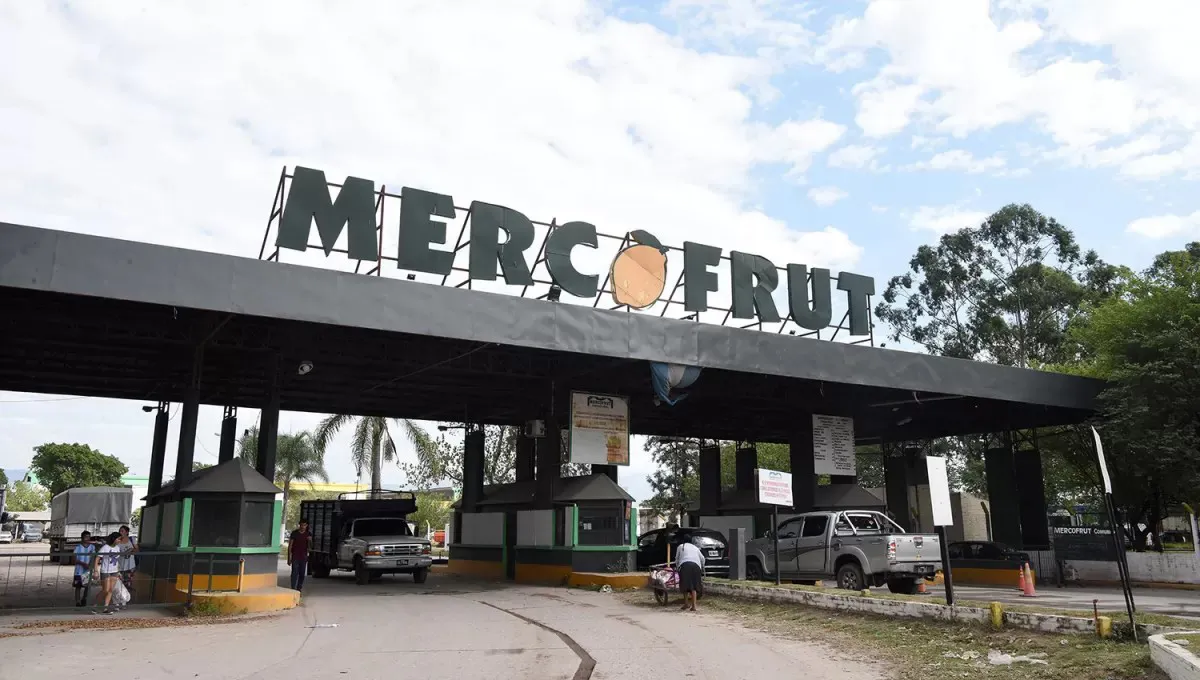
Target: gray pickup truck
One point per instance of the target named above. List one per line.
(856, 548)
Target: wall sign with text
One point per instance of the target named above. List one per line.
(599, 429)
(833, 445)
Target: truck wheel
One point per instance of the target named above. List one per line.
(902, 586)
(850, 576)
(420, 575)
(754, 570)
(362, 575)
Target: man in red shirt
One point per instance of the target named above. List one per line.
(298, 554)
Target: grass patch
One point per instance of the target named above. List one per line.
(1192, 640)
(206, 607)
(919, 650)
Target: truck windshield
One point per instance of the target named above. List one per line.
(381, 527)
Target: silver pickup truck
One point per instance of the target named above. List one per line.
(856, 548)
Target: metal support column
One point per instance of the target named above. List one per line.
(268, 423)
(158, 448)
(228, 435)
(188, 417)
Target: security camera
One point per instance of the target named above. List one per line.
(305, 368)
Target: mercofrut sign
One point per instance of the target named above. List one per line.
(753, 278)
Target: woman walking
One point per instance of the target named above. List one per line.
(108, 569)
(127, 564)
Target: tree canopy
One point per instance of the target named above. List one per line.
(1005, 291)
(373, 443)
(1145, 342)
(67, 466)
(26, 497)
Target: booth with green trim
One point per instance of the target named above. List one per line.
(221, 532)
(592, 527)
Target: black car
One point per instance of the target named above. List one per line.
(652, 548)
(985, 550)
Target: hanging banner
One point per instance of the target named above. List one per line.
(833, 445)
(599, 429)
(774, 487)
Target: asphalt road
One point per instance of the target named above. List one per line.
(445, 628)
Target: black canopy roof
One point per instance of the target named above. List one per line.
(102, 317)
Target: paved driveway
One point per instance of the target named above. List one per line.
(446, 628)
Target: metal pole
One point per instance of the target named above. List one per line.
(949, 581)
(191, 577)
(1119, 547)
(210, 572)
(775, 537)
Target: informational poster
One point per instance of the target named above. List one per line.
(599, 429)
(939, 492)
(774, 487)
(1083, 544)
(833, 445)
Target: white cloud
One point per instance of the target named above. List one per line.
(170, 125)
(825, 196)
(963, 66)
(945, 219)
(856, 157)
(958, 159)
(1165, 226)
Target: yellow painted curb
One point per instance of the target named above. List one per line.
(250, 601)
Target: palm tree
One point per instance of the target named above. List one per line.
(297, 459)
(373, 443)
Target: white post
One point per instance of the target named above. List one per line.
(1195, 533)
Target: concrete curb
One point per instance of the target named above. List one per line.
(1046, 623)
(1177, 661)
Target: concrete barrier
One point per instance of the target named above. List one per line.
(865, 604)
(1177, 661)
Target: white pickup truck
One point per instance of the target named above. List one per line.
(856, 548)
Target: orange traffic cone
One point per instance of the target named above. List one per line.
(1021, 579)
(1028, 589)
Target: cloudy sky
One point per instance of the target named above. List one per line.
(837, 134)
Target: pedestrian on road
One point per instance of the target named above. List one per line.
(83, 568)
(298, 554)
(108, 569)
(127, 564)
(689, 562)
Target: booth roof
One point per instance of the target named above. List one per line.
(827, 497)
(232, 476)
(584, 488)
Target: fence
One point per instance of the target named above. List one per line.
(162, 578)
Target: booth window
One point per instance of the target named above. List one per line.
(256, 523)
(215, 523)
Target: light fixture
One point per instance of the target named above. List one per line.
(904, 421)
(791, 332)
(411, 277)
(554, 293)
(148, 409)
(305, 367)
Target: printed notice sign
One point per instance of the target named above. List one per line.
(833, 445)
(599, 429)
(774, 487)
(939, 492)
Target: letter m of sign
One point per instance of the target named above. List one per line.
(308, 200)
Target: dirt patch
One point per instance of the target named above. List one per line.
(52, 626)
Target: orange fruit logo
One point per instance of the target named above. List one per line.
(639, 272)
